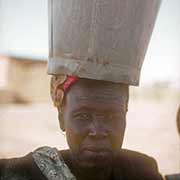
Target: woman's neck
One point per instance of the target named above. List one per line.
(83, 173)
(103, 174)
(91, 172)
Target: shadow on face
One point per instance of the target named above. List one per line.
(94, 120)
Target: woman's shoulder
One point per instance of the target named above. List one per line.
(47, 163)
(137, 165)
(16, 168)
(42, 164)
(136, 157)
(21, 168)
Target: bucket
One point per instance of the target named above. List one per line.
(100, 39)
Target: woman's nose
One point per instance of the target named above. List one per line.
(97, 130)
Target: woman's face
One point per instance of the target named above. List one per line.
(94, 121)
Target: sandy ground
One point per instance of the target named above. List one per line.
(24, 128)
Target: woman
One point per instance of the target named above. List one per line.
(93, 115)
(101, 40)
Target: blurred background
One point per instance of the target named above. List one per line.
(29, 120)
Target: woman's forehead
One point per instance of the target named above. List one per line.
(93, 88)
(105, 94)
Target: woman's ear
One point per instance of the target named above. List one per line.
(61, 120)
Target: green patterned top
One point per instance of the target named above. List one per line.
(49, 162)
(52, 165)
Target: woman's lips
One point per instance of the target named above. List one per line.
(96, 150)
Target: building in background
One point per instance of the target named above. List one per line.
(23, 51)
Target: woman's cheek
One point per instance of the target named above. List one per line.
(75, 135)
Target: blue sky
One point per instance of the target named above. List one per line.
(25, 22)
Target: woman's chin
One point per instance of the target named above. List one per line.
(93, 159)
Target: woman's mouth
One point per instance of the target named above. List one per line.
(96, 151)
(96, 157)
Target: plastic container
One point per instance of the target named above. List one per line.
(100, 39)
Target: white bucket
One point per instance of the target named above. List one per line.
(100, 39)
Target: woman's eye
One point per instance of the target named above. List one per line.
(82, 119)
(113, 117)
(110, 116)
(83, 116)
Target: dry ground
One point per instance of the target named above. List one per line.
(151, 129)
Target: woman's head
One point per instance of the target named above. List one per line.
(93, 114)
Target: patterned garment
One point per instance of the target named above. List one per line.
(47, 161)
(47, 164)
(52, 164)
